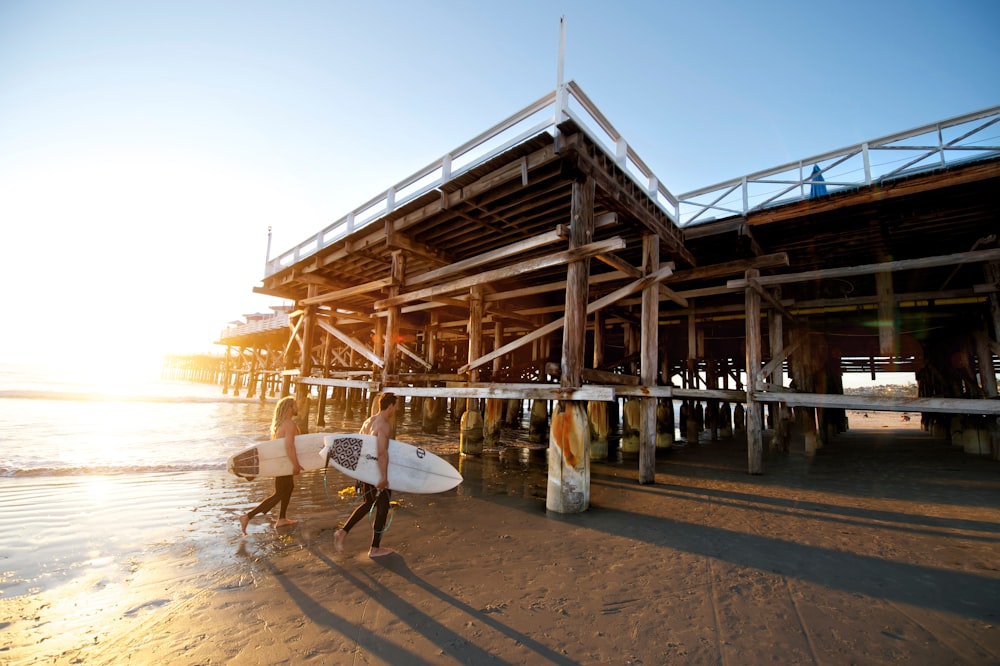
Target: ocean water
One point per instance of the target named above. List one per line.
(95, 476)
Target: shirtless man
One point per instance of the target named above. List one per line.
(378, 495)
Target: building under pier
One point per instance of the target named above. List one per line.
(543, 261)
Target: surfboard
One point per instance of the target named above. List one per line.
(269, 458)
(411, 468)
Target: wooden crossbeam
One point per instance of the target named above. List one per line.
(351, 342)
(527, 266)
(555, 325)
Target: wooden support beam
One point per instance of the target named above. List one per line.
(398, 240)
(881, 404)
(778, 353)
(649, 363)
(508, 391)
(351, 342)
(555, 325)
(392, 321)
(343, 383)
(774, 302)
(374, 285)
(527, 266)
(412, 354)
(886, 314)
(868, 269)
(506, 252)
(654, 219)
(755, 429)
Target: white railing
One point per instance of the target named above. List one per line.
(271, 323)
(964, 138)
(566, 102)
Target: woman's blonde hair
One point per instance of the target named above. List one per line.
(280, 412)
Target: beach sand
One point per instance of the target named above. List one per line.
(884, 548)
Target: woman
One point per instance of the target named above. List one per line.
(282, 425)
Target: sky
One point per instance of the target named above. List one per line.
(146, 148)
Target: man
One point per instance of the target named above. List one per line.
(379, 425)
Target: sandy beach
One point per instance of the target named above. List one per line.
(882, 549)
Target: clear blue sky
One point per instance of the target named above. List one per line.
(145, 147)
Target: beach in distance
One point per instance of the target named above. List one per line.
(883, 548)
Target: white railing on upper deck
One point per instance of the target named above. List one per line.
(948, 142)
(274, 322)
(566, 102)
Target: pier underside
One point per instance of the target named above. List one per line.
(547, 273)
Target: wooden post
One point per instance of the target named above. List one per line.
(392, 320)
(493, 417)
(755, 434)
(568, 488)
(804, 374)
(597, 412)
(225, 373)
(321, 407)
(775, 335)
(305, 361)
(538, 421)
(252, 378)
(471, 431)
(886, 314)
(693, 430)
(648, 366)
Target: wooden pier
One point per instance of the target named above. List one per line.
(558, 270)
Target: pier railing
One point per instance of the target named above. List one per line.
(949, 142)
(567, 102)
(274, 322)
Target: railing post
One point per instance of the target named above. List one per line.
(941, 145)
(868, 163)
(746, 195)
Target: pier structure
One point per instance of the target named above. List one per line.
(544, 262)
(256, 348)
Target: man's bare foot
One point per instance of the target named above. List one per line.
(244, 520)
(338, 540)
(380, 552)
(285, 522)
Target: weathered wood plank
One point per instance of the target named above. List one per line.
(755, 427)
(880, 404)
(555, 325)
(374, 285)
(514, 391)
(648, 363)
(498, 254)
(514, 270)
(868, 269)
(353, 343)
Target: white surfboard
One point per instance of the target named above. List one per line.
(411, 468)
(270, 459)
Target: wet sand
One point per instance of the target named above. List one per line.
(882, 549)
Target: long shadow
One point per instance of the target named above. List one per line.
(835, 513)
(351, 632)
(446, 639)
(450, 642)
(954, 592)
(964, 594)
(398, 566)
